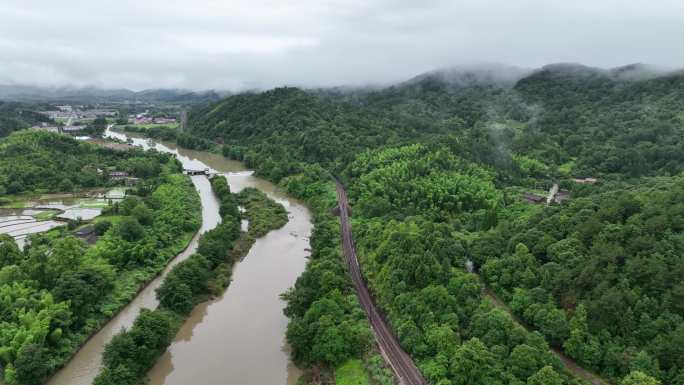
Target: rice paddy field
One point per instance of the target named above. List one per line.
(25, 215)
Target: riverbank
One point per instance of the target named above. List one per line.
(130, 282)
(132, 352)
(135, 291)
(60, 291)
(315, 187)
(240, 334)
(187, 241)
(261, 216)
(202, 274)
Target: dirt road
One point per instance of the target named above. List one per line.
(570, 364)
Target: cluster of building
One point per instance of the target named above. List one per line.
(45, 127)
(70, 112)
(68, 129)
(145, 118)
(557, 197)
(51, 128)
(556, 194)
(120, 176)
(68, 117)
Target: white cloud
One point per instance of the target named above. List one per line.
(262, 43)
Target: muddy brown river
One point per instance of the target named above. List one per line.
(238, 338)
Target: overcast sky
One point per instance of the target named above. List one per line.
(238, 44)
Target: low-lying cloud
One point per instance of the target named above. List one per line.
(243, 44)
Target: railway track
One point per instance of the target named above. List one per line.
(401, 363)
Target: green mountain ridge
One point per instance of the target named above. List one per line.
(435, 168)
(557, 114)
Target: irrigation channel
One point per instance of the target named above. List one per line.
(238, 338)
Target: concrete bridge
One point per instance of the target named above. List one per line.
(206, 172)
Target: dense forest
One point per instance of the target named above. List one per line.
(435, 169)
(414, 260)
(59, 290)
(602, 277)
(39, 162)
(610, 125)
(565, 117)
(16, 116)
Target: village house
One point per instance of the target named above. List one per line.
(164, 120)
(73, 128)
(533, 198)
(118, 175)
(585, 180)
(561, 195)
(123, 176)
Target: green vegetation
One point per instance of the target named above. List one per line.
(351, 373)
(378, 371)
(45, 215)
(132, 353)
(17, 116)
(193, 142)
(601, 277)
(262, 212)
(413, 260)
(57, 291)
(149, 126)
(102, 226)
(432, 183)
(609, 125)
(327, 324)
(33, 161)
(435, 170)
(156, 131)
(263, 215)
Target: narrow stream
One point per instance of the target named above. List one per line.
(238, 338)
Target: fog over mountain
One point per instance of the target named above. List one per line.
(482, 74)
(244, 44)
(486, 74)
(92, 94)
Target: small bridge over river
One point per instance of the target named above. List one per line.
(206, 172)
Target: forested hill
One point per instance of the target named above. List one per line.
(435, 168)
(573, 119)
(613, 263)
(613, 122)
(15, 116)
(39, 162)
(290, 123)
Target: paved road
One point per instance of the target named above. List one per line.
(400, 362)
